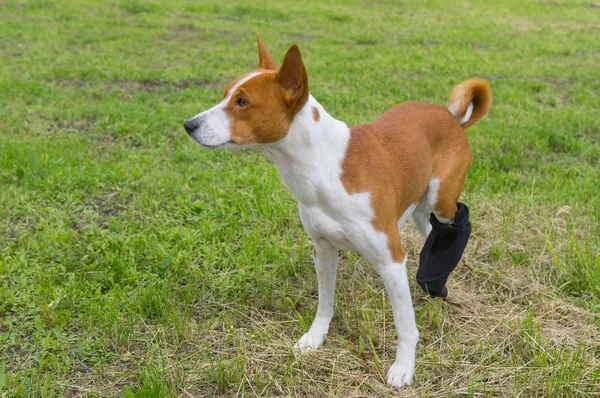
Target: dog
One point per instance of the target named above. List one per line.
(357, 185)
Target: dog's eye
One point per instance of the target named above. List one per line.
(241, 101)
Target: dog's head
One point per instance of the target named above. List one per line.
(258, 107)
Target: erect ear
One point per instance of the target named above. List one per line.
(265, 60)
(292, 76)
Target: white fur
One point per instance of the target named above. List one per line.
(431, 195)
(425, 207)
(214, 129)
(453, 108)
(309, 161)
(407, 213)
(467, 115)
(431, 200)
(421, 218)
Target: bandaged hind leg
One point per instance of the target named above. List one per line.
(442, 251)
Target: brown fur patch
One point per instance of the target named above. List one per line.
(316, 114)
(395, 157)
(266, 118)
(273, 99)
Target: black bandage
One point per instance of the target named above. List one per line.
(442, 251)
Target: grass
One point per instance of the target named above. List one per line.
(135, 264)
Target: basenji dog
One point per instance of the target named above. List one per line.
(357, 185)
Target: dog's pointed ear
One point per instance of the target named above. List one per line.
(292, 76)
(265, 60)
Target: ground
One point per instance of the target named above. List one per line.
(136, 264)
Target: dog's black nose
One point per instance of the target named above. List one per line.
(190, 126)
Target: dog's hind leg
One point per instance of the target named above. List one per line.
(450, 225)
(388, 257)
(326, 260)
(443, 250)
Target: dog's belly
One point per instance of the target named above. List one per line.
(319, 224)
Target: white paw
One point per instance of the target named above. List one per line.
(309, 342)
(400, 375)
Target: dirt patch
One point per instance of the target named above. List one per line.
(182, 84)
(150, 85)
(191, 33)
(75, 125)
(305, 38)
(554, 4)
(428, 43)
(140, 85)
(185, 34)
(108, 379)
(101, 136)
(366, 41)
(563, 82)
(110, 204)
(470, 336)
(18, 224)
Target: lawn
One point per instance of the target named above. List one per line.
(136, 264)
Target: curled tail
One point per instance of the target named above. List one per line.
(470, 101)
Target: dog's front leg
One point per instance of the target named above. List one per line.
(396, 284)
(326, 260)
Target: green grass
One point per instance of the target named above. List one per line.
(135, 264)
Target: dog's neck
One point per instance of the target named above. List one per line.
(309, 157)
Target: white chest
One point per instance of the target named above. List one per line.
(309, 160)
(321, 223)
